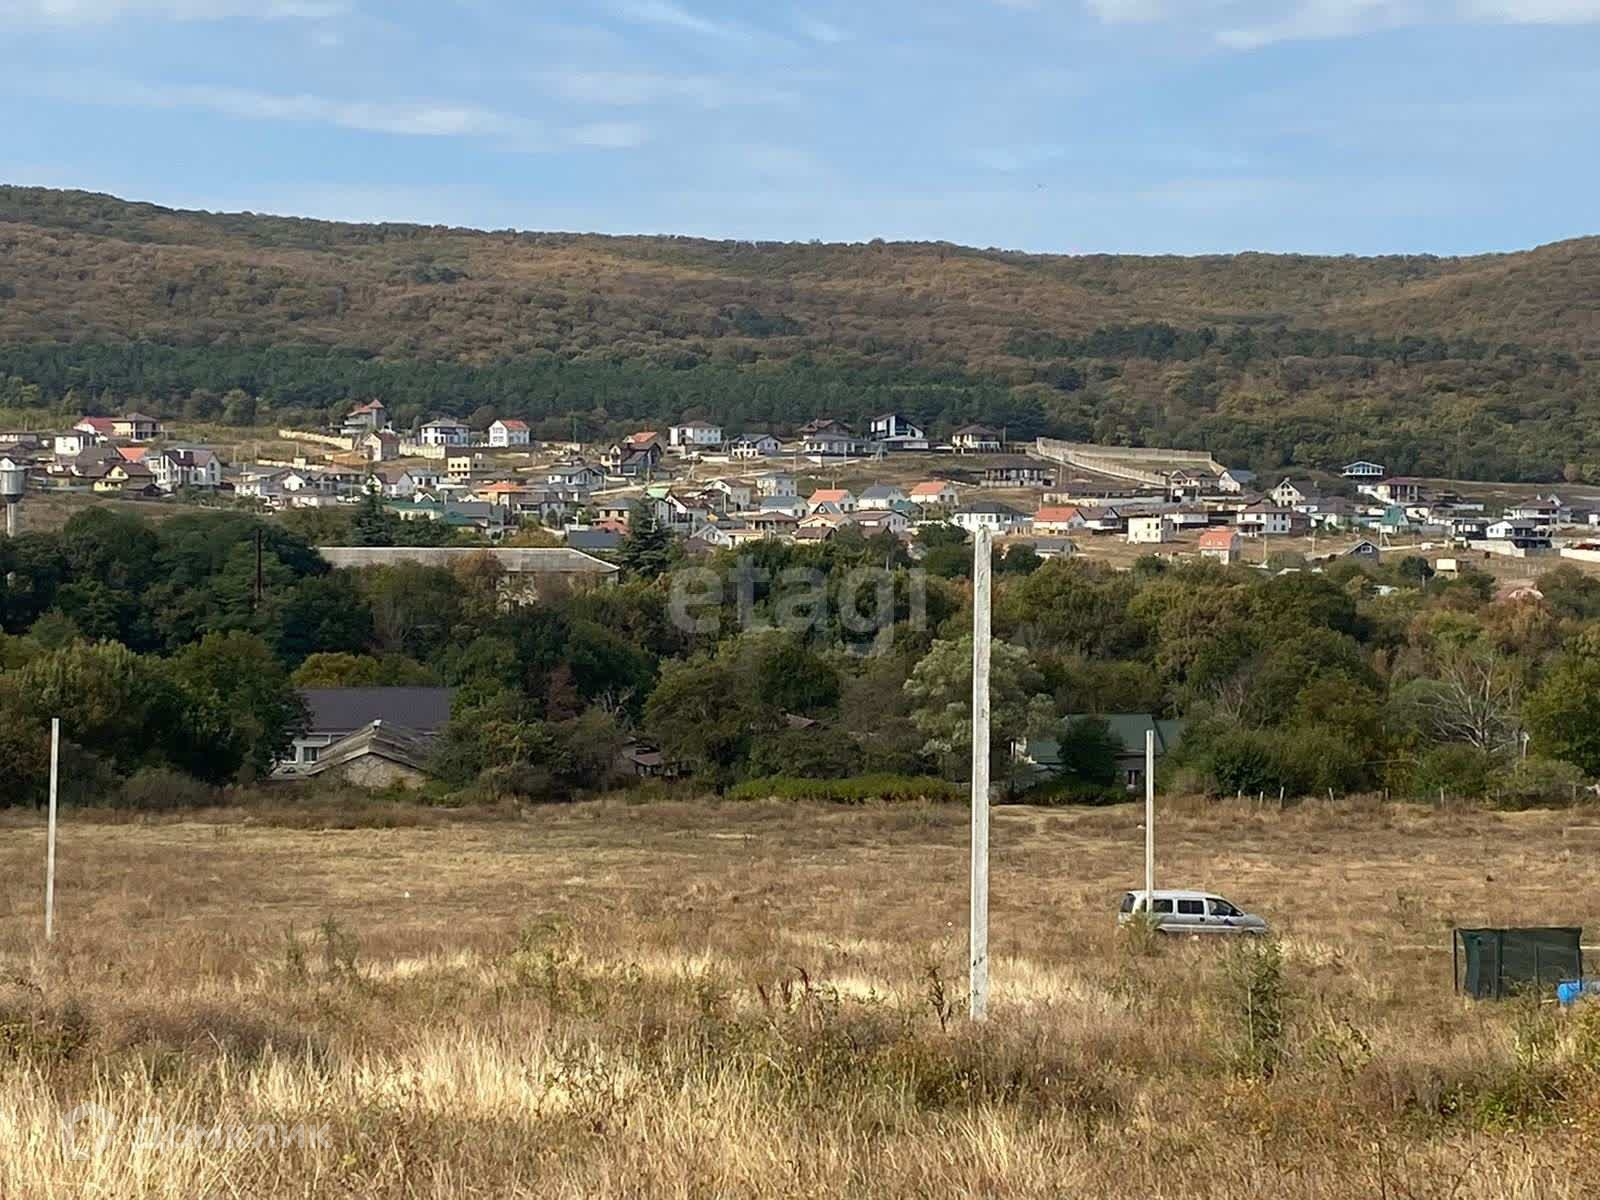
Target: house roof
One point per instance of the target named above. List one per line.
(381, 739)
(779, 503)
(932, 487)
(1055, 513)
(976, 431)
(1239, 474)
(1217, 539)
(989, 508)
(342, 710)
(697, 425)
(515, 559)
(445, 423)
(133, 454)
(511, 423)
(829, 495)
(882, 491)
(643, 438)
(99, 424)
(369, 407)
(598, 541)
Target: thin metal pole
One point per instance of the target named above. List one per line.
(1149, 820)
(50, 837)
(979, 932)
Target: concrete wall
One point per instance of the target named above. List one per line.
(321, 439)
(1115, 461)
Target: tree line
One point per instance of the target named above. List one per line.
(179, 647)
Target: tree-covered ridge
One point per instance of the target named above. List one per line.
(1476, 366)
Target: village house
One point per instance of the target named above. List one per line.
(368, 737)
(694, 437)
(840, 498)
(1056, 520)
(734, 495)
(774, 523)
(1547, 513)
(103, 428)
(830, 443)
(1103, 520)
(792, 506)
(1131, 732)
(1186, 518)
(446, 432)
(380, 445)
(75, 441)
(1396, 491)
(989, 514)
(881, 496)
(935, 493)
(1019, 471)
(821, 425)
(365, 418)
(574, 477)
(1289, 494)
(1363, 470)
(1235, 480)
(895, 432)
(871, 521)
(972, 439)
(775, 483)
(185, 467)
(635, 455)
(1149, 530)
(135, 427)
(509, 432)
(1272, 520)
(1222, 544)
(750, 446)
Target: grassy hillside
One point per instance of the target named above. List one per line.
(1479, 365)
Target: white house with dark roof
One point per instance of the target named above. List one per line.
(694, 437)
(749, 446)
(976, 438)
(990, 515)
(896, 432)
(446, 431)
(881, 496)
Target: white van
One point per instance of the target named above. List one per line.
(1190, 912)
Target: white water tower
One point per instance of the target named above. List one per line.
(13, 482)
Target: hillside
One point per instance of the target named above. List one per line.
(1484, 365)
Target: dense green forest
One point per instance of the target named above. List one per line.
(175, 671)
(1481, 367)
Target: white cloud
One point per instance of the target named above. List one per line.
(630, 89)
(1250, 24)
(674, 16)
(609, 135)
(99, 12)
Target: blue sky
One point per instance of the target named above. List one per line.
(1189, 126)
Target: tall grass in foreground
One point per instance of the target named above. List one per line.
(547, 1066)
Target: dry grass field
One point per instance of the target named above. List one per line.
(698, 999)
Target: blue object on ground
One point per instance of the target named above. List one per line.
(1569, 990)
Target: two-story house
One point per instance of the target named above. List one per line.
(446, 432)
(508, 431)
(896, 432)
(694, 437)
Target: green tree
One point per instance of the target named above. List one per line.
(1563, 713)
(941, 692)
(647, 550)
(1089, 751)
(240, 698)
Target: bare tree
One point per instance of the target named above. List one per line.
(1474, 698)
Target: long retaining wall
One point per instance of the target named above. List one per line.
(320, 439)
(1116, 461)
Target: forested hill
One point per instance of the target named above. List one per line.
(1485, 366)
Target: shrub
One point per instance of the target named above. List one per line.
(161, 789)
(859, 790)
(1536, 783)
(1456, 769)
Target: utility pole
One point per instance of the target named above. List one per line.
(50, 837)
(1149, 821)
(978, 934)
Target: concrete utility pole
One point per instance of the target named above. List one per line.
(50, 837)
(978, 966)
(1149, 820)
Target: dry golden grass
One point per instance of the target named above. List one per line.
(693, 999)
